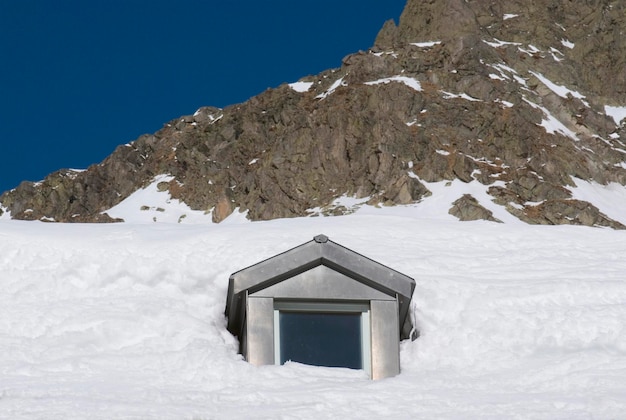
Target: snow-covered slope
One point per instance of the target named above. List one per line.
(126, 321)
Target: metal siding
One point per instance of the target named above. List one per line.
(376, 274)
(385, 339)
(322, 283)
(306, 256)
(260, 331)
(276, 267)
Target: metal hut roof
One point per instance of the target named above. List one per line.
(319, 251)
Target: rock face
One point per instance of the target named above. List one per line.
(468, 208)
(508, 94)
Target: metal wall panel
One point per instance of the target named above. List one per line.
(322, 283)
(260, 330)
(373, 273)
(385, 339)
(319, 252)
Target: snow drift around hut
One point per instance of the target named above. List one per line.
(126, 321)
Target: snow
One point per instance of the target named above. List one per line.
(331, 89)
(562, 91)
(567, 44)
(604, 197)
(427, 44)
(509, 16)
(496, 43)
(5, 214)
(551, 124)
(618, 113)
(126, 320)
(506, 104)
(213, 119)
(301, 87)
(444, 193)
(149, 205)
(380, 54)
(409, 81)
(531, 50)
(412, 123)
(502, 68)
(555, 51)
(448, 95)
(350, 204)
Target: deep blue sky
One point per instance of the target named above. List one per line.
(79, 77)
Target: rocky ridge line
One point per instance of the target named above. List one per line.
(512, 96)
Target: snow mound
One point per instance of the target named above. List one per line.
(126, 320)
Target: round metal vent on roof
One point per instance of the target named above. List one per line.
(320, 239)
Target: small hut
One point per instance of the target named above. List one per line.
(321, 304)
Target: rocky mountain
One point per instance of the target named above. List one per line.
(524, 98)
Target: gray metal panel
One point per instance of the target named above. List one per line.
(260, 331)
(385, 339)
(322, 282)
(373, 273)
(278, 266)
(266, 273)
(320, 251)
(313, 253)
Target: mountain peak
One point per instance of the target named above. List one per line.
(591, 32)
(508, 100)
(423, 20)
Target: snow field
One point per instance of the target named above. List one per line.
(126, 321)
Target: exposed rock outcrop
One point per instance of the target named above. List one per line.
(508, 94)
(468, 208)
